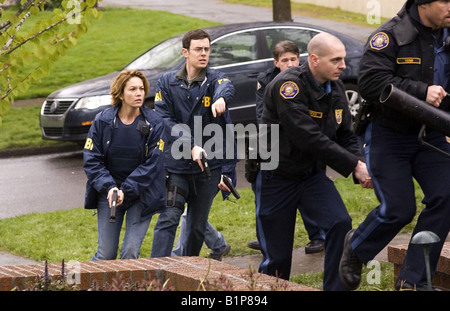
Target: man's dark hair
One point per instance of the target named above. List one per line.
(285, 47)
(196, 34)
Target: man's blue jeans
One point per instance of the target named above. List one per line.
(214, 240)
(108, 233)
(200, 195)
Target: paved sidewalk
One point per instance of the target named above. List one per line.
(304, 263)
(7, 259)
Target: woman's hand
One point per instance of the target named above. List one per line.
(120, 196)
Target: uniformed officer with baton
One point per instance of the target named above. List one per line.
(409, 52)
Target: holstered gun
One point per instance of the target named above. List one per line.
(362, 118)
(251, 165)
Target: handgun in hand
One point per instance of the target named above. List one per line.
(112, 216)
(206, 169)
(229, 183)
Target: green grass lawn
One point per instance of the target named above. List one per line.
(110, 43)
(20, 129)
(72, 234)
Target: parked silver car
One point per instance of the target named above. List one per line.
(242, 51)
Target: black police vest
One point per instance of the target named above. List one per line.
(125, 153)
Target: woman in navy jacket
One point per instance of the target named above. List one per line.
(124, 153)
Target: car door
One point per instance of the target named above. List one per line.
(240, 56)
(300, 35)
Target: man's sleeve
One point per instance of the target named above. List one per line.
(223, 88)
(378, 69)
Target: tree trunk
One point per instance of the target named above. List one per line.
(281, 10)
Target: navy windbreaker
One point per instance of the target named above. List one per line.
(172, 102)
(146, 182)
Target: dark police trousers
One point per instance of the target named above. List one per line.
(277, 202)
(393, 160)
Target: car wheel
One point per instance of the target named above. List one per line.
(353, 98)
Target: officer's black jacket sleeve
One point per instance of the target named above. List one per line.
(307, 136)
(378, 69)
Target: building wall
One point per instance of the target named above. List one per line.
(387, 8)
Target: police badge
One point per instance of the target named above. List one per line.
(289, 90)
(379, 41)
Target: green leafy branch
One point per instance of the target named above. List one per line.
(32, 39)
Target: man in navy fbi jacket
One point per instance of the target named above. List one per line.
(188, 99)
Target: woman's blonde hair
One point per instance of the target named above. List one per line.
(118, 85)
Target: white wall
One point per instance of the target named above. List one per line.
(387, 8)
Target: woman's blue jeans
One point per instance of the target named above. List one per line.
(109, 232)
(214, 240)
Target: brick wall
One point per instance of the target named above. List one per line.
(441, 279)
(178, 273)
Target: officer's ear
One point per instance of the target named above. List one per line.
(185, 52)
(275, 63)
(314, 59)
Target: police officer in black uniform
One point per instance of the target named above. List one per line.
(286, 54)
(309, 105)
(409, 52)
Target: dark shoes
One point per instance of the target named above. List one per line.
(350, 266)
(402, 285)
(219, 256)
(315, 246)
(254, 245)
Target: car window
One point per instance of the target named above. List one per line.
(298, 35)
(164, 55)
(234, 49)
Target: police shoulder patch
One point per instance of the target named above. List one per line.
(379, 41)
(289, 90)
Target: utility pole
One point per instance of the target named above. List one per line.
(281, 10)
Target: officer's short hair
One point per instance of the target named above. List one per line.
(196, 34)
(285, 46)
(118, 85)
